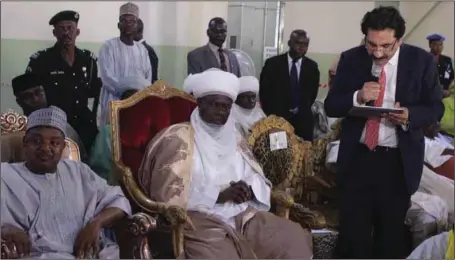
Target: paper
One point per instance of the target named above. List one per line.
(278, 141)
(447, 75)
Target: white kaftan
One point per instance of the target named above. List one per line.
(53, 208)
(433, 152)
(217, 161)
(118, 60)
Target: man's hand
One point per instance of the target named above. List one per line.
(369, 92)
(445, 93)
(239, 192)
(396, 118)
(86, 245)
(17, 237)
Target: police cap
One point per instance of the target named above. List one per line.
(24, 82)
(435, 37)
(67, 15)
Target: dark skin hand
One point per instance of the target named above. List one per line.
(239, 192)
(87, 241)
(17, 237)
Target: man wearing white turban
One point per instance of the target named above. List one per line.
(210, 171)
(246, 109)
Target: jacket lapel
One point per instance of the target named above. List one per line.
(210, 57)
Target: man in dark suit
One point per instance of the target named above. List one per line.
(289, 85)
(445, 66)
(213, 55)
(152, 54)
(380, 160)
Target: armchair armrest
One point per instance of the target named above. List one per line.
(174, 215)
(8, 250)
(283, 202)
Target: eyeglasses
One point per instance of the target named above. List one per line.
(384, 48)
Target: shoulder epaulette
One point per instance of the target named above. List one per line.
(91, 54)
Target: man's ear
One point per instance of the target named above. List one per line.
(289, 43)
(78, 32)
(208, 32)
(118, 25)
(54, 33)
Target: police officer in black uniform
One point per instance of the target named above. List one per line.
(70, 76)
(445, 66)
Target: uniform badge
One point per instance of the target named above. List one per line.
(29, 69)
(76, 16)
(84, 69)
(35, 55)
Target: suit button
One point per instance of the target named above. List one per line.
(74, 74)
(75, 87)
(77, 101)
(56, 83)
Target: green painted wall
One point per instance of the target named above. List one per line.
(172, 66)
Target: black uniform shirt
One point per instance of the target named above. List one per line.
(446, 72)
(68, 87)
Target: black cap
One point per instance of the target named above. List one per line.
(64, 16)
(24, 82)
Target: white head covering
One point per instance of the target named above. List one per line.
(133, 82)
(249, 84)
(129, 8)
(213, 81)
(190, 82)
(51, 117)
(216, 144)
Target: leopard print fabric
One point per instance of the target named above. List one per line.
(275, 164)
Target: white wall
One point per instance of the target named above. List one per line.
(332, 26)
(166, 23)
(440, 20)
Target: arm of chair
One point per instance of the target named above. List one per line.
(174, 215)
(8, 250)
(283, 202)
(132, 236)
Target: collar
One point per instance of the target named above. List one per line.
(290, 59)
(394, 60)
(54, 48)
(213, 47)
(141, 41)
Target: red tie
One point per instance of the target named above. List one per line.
(372, 126)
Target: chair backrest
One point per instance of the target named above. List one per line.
(11, 122)
(137, 119)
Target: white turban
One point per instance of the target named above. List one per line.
(211, 82)
(249, 84)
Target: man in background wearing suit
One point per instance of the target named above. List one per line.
(152, 54)
(289, 85)
(380, 160)
(213, 55)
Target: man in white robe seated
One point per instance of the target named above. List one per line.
(122, 57)
(206, 167)
(436, 247)
(246, 110)
(53, 208)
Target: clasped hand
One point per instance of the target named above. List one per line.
(238, 192)
(370, 92)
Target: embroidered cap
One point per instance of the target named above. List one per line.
(129, 8)
(51, 117)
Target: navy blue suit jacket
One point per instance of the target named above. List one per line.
(417, 89)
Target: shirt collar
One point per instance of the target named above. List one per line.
(213, 47)
(141, 41)
(394, 60)
(290, 60)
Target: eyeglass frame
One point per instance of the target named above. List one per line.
(383, 49)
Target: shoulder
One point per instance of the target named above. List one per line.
(40, 54)
(89, 54)
(277, 58)
(109, 43)
(353, 53)
(417, 55)
(446, 58)
(197, 50)
(311, 63)
(75, 169)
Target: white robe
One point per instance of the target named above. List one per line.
(53, 208)
(246, 118)
(433, 248)
(433, 152)
(118, 60)
(203, 197)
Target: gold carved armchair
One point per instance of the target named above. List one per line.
(135, 121)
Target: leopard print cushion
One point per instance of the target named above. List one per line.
(276, 164)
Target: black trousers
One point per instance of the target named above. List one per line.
(303, 125)
(373, 202)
